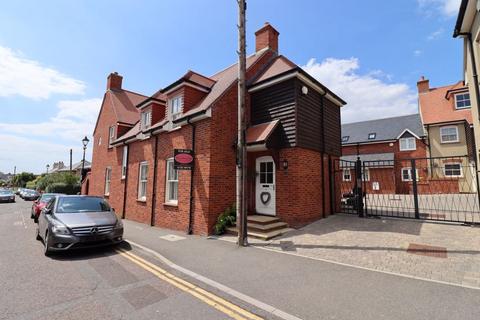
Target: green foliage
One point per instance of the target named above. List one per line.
(21, 179)
(62, 187)
(225, 220)
(65, 178)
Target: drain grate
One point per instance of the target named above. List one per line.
(426, 250)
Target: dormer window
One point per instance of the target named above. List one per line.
(175, 105)
(146, 120)
(372, 136)
(462, 100)
(345, 138)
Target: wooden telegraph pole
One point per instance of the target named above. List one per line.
(241, 152)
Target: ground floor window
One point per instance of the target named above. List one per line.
(452, 170)
(142, 181)
(171, 188)
(108, 177)
(347, 175)
(365, 174)
(407, 174)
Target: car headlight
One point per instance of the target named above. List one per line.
(60, 229)
(119, 224)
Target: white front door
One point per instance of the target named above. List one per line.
(265, 186)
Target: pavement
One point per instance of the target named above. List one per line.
(107, 284)
(383, 245)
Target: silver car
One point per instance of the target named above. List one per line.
(73, 222)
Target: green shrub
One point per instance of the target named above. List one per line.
(226, 219)
(61, 187)
(60, 177)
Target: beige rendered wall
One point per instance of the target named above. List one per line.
(439, 149)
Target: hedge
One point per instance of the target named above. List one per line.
(61, 187)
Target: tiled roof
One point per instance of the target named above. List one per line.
(279, 66)
(260, 132)
(124, 105)
(438, 105)
(384, 129)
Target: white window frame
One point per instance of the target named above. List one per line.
(410, 176)
(456, 101)
(373, 136)
(124, 162)
(347, 170)
(442, 135)
(452, 163)
(142, 181)
(406, 141)
(179, 108)
(170, 182)
(365, 174)
(146, 120)
(111, 134)
(108, 179)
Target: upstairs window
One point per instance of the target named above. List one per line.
(365, 174)
(462, 100)
(372, 136)
(449, 134)
(111, 134)
(407, 174)
(146, 120)
(407, 144)
(175, 105)
(345, 138)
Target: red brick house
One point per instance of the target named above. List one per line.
(383, 145)
(293, 133)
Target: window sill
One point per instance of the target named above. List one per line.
(175, 129)
(106, 195)
(401, 150)
(142, 200)
(171, 204)
(447, 142)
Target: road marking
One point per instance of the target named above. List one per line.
(23, 219)
(252, 301)
(218, 303)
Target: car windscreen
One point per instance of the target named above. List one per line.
(5, 192)
(81, 204)
(46, 197)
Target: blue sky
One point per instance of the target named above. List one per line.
(55, 56)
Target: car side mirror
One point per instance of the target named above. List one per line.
(47, 211)
(36, 201)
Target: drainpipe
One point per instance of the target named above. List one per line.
(125, 183)
(154, 191)
(190, 213)
(322, 105)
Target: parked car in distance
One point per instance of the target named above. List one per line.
(30, 195)
(7, 196)
(17, 192)
(23, 191)
(73, 222)
(40, 203)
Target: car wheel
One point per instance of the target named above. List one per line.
(32, 216)
(46, 248)
(37, 234)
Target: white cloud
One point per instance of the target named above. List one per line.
(417, 53)
(448, 8)
(436, 34)
(368, 96)
(25, 77)
(33, 145)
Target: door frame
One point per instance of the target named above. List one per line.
(265, 158)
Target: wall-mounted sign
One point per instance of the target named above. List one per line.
(376, 186)
(183, 159)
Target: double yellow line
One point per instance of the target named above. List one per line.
(222, 305)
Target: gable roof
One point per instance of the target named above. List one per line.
(385, 129)
(279, 66)
(438, 105)
(123, 103)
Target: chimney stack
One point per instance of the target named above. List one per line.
(114, 81)
(266, 37)
(423, 85)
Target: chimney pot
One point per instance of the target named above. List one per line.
(266, 37)
(114, 81)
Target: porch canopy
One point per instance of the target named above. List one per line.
(375, 159)
(259, 137)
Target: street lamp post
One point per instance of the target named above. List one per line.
(84, 142)
(48, 166)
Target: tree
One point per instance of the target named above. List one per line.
(67, 179)
(21, 179)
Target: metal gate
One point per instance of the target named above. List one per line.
(443, 188)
